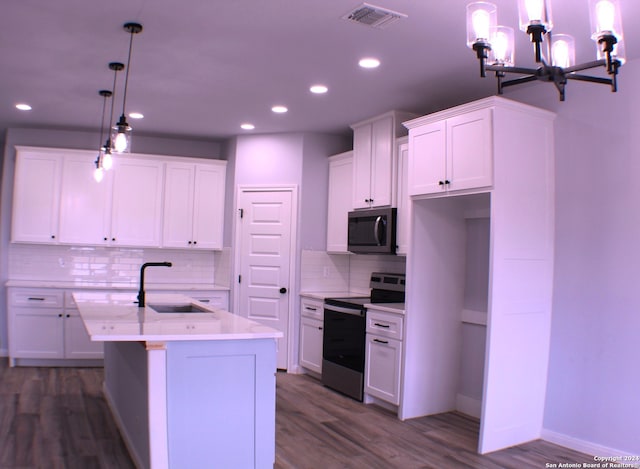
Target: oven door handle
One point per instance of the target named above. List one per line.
(339, 309)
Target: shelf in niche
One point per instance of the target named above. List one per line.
(470, 316)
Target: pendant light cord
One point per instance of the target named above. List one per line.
(126, 76)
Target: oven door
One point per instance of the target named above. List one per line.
(343, 345)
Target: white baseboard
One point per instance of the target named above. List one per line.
(586, 447)
(469, 405)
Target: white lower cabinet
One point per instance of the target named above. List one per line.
(44, 324)
(383, 355)
(311, 323)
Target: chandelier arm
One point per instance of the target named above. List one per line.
(518, 81)
(603, 81)
(586, 66)
(520, 70)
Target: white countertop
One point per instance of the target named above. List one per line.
(115, 286)
(114, 317)
(321, 295)
(397, 308)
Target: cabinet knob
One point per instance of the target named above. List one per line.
(53, 236)
(113, 239)
(105, 238)
(441, 183)
(446, 181)
(60, 315)
(188, 242)
(195, 242)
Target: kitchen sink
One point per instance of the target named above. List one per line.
(181, 308)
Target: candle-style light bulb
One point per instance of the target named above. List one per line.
(481, 24)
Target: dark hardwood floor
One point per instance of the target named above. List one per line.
(58, 418)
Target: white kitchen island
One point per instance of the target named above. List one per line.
(187, 389)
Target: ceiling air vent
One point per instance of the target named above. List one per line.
(371, 15)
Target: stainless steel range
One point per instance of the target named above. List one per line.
(343, 340)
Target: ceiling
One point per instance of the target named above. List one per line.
(200, 68)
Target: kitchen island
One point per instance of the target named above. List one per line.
(189, 385)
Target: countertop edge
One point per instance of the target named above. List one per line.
(115, 286)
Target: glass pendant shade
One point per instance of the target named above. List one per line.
(98, 174)
(121, 136)
(107, 159)
(605, 19)
(535, 13)
(502, 46)
(482, 17)
(563, 51)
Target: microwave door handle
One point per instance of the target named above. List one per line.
(376, 230)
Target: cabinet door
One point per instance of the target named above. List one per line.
(36, 197)
(36, 333)
(339, 202)
(137, 202)
(178, 205)
(403, 201)
(362, 166)
(383, 358)
(382, 169)
(427, 157)
(85, 205)
(208, 206)
(77, 343)
(311, 344)
(470, 150)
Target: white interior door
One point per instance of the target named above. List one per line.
(264, 260)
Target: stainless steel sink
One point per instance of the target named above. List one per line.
(181, 308)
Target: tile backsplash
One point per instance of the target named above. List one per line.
(96, 265)
(324, 272)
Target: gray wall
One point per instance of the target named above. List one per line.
(594, 385)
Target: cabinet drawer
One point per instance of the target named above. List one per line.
(312, 308)
(385, 324)
(36, 298)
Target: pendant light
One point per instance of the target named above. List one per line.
(121, 131)
(107, 159)
(98, 173)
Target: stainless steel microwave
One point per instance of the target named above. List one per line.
(372, 231)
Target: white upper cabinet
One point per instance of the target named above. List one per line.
(451, 154)
(374, 159)
(194, 205)
(339, 201)
(85, 205)
(403, 200)
(36, 196)
(136, 216)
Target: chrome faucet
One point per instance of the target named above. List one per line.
(144, 266)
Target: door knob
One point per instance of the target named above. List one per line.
(283, 290)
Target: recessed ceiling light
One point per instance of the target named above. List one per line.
(318, 89)
(247, 126)
(136, 115)
(23, 107)
(369, 62)
(279, 109)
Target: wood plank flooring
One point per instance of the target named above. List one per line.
(58, 418)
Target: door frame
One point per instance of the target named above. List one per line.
(293, 258)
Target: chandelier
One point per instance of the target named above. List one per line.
(494, 44)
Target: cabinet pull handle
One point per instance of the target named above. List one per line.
(319, 328)
(35, 298)
(381, 341)
(446, 181)
(309, 308)
(204, 300)
(386, 326)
